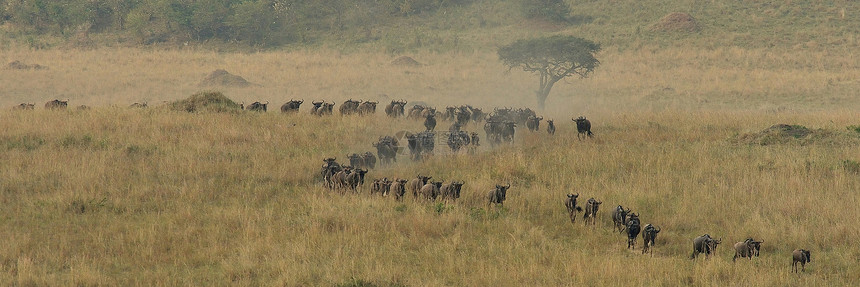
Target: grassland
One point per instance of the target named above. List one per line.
(152, 197)
(114, 196)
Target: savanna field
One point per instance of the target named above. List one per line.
(115, 196)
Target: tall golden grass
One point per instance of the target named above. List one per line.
(115, 196)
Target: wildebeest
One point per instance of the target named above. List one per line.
(83, 107)
(292, 106)
(355, 160)
(326, 109)
(533, 123)
(458, 139)
(746, 248)
(451, 190)
(57, 105)
(633, 228)
(430, 191)
(381, 186)
(395, 108)
(414, 144)
(329, 169)
(430, 122)
(800, 255)
(498, 194)
(583, 127)
(591, 208)
(499, 131)
(477, 114)
(25, 106)
(398, 187)
(316, 108)
(649, 236)
(258, 107)
(572, 209)
(356, 178)
(349, 107)
(448, 115)
(705, 244)
(550, 127)
(367, 108)
(386, 149)
(475, 139)
(417, 183)
(619, 217)
(369, 160)
(139, 105)
(416, 112)
(339, 180)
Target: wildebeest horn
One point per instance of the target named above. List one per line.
(577, 194)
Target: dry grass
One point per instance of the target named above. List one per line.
(114, 196)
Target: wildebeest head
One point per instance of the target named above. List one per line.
(756, 247)
(711, 245)
(572, 196)
(424, 179)
(457, 186)
(502, 190)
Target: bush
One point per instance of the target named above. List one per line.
(210, 101)
(552, 10)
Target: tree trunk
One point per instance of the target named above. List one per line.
(546, 83)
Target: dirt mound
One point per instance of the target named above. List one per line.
(18, 65)
(209, 101)
(406, 61)
(676, 22)
(223, 78)
(787, 134)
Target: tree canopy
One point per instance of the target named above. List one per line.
(553, 58)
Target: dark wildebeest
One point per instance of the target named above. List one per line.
(649, 236)
(583, 127)
(369, 160)
(339, 179)
(329, 169)
(430, 122)
(591, 208)
(355, 160)
(498, 194)
(367, 108)
(475, 139)
(139, 105)
(57, 105)
(430, 191)
(349, 107)
(417, 183)
(458, 139)
(800, 255)
(395, 108)
(572, 209)
(619, 217)
(533, 123)
(633, 228)
(398, 187)
(451, 190)
(258, 107)
(448, 115)
(705, 244)
(356, 178)
(550, 127)
(746, 248)
(292, 106)
(477, 114)
(462, 116)
(382, 186)
(25, 106)
(316, 108)
(386, 149)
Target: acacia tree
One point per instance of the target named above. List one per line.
(553, 58)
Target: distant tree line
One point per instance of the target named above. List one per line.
(255, 22)
(258, 22)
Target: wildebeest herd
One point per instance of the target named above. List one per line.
(500, 127)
